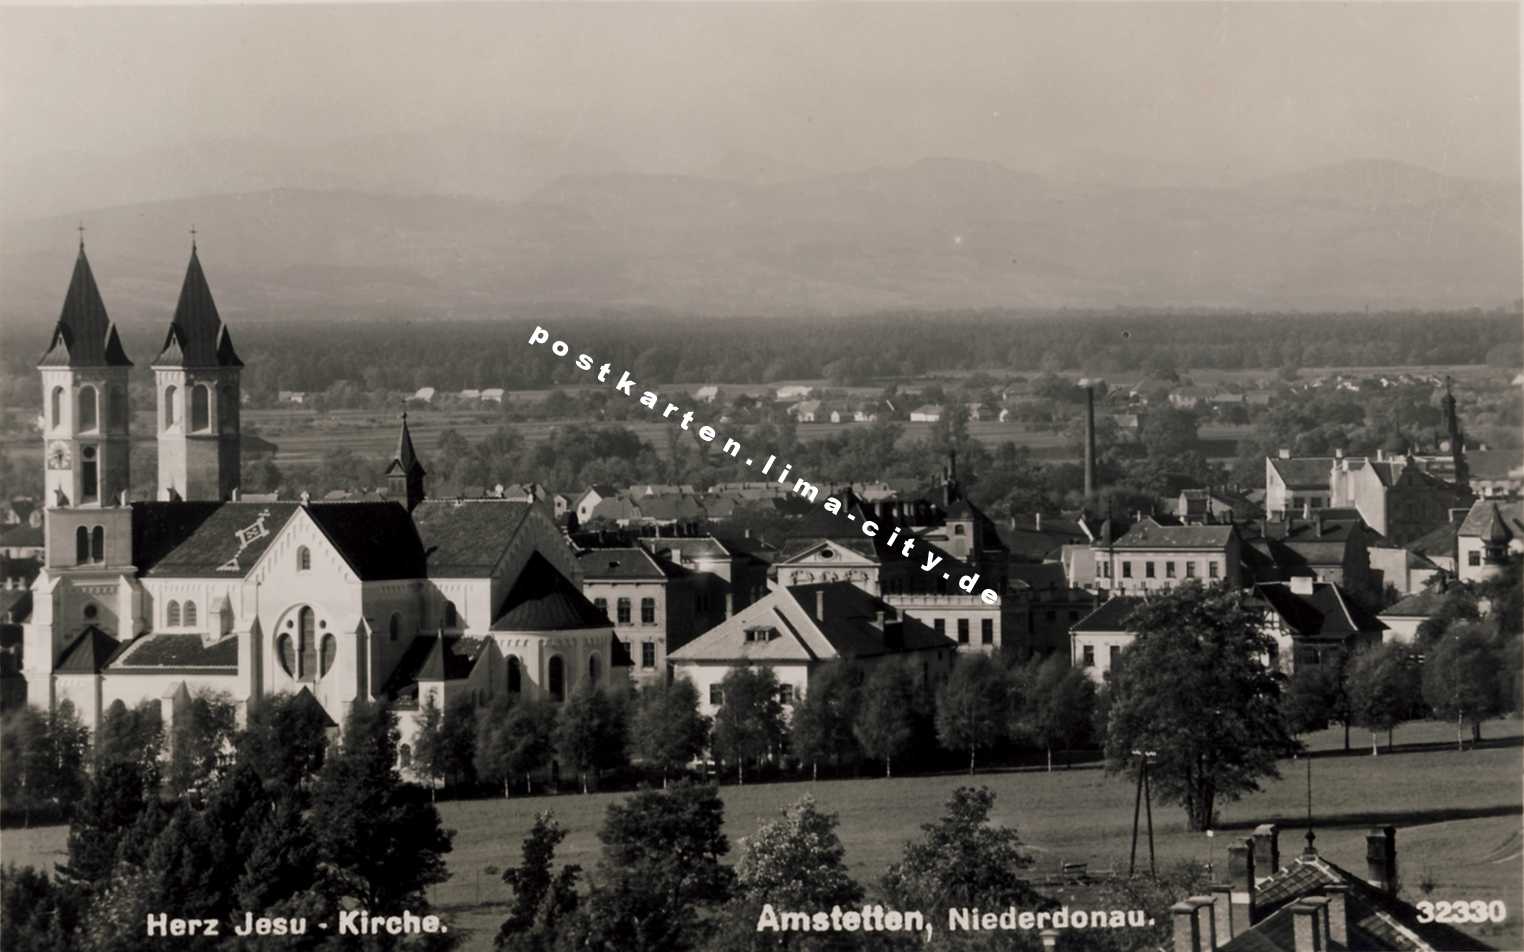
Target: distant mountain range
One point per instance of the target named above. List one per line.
(755, 236)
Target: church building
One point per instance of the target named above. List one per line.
(195, 590)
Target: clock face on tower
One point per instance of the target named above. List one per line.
(59, 456)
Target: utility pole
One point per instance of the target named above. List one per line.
(1143, 798)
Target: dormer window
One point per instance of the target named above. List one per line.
(761, 633)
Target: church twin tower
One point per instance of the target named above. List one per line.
(87, 416)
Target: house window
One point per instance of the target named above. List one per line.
(623, 608)
(602, 604)
(1148, 569)
(716, 695)
(1089, 656)
(1127, 569)
(962, 631)
(1169, 569)
(1474, 558)
(1103, 569)
(1212, 570)
(201, 407)
(190, 614)
(303, 559)
(170, 393)
(786, 693)
(515, 676)
(555, 677)
(648, 654)
(87, 415)
(172, 614)
(394, 626)
(958, 530)
(940, 624)
(1115, 656)
(1190, 569)
(987, 631)
(648, 611)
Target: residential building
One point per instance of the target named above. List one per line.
(1203, 506)
(492, 394)
(1295, 484)
(806, 411)
(423, 395)
(1491, 533)
(926, 413)
(591, 498)
(650, 601)
(794, 392)
(1150, 556)
(1331, 546)
(1311, 620)
(707, 393)
(1040, 608)
(725, 575)
(1403, 618)
(1097, 640)
(1395, 497)
(1402, 570)
(795, 630)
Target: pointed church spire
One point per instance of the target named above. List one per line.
(196, 336)
(1457, 438)
(404, 475)
(84, 335)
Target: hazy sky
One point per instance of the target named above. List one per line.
(1231, 90)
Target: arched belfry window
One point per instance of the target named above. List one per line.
(55, 406)
(98, 544)
(88, 418)
(81, 545)
(201, 407)
(171, 394)
(172, 614)
(303, 559)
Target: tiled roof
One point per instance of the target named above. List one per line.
(17, 602)
(1439, 541)
(203, 539)
(1493, 521)
(197, 337)
(633, 564)
(433, 658)
(1148, 534)
(1112, 615)
(1039, 576)
(22, 537)
(463, 539)
(84, 335)
(1304, 472)
(377, 539)
(1326, 613)
(1418, 604)
(88, 653)
(542, 599)
(179, 651)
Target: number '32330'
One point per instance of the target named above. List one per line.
(1463, 911)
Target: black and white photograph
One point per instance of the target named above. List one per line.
(742, 476)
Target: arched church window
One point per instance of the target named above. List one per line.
(55, 406)
(170, 395)
(88, 420)
(394, 626)
(330, 651)
(81, 545)
(201, 407)
(286, 653)
(306, 630)
(172, 614)
(958, 530)
(555, 679)
(303, 559)
(98, 544)
(515, 675)
(593, 671)
(190, 613)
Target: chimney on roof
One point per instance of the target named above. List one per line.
(1241, 884)
(820, 604)
(1309, 917)
(1194, 930)
(1380, 454)
(1338, 452)
(1222, 914)
(1306, 508)
(1049, 938)
(729, 604)
(1381, 859)
(1037, 518)
(1283, 453)
(1267, 850)
(1338, 912)
(1302, 585)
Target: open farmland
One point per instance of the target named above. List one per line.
(1457, 815)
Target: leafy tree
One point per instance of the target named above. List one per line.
(797, 861)
(962, 860)
(885, 721)
(541, 898)
(1459, 604)
(1196, 691)
(428, 755)
(114, 807)
(749, 723)
(1383, 682)
(378, 843)
(821, 728)
(1058, 704)
(1318, 694)
(280, 871)
(514, 739)
(134, 735)
(660, 869)
(37, 912)
(668, 731)
(590, 733)
(1462, 678)
(972, 707)
(285, 740)
(201, 738)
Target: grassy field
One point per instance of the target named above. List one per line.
(1457, 814)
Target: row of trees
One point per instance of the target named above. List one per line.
(284, 823)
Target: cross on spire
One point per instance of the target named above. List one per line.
(193, 237)
(81, 229)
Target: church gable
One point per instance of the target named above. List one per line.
(227, 543)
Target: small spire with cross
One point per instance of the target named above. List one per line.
(193, 239)
(81, 229)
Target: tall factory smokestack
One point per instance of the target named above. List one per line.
(1089, 440)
